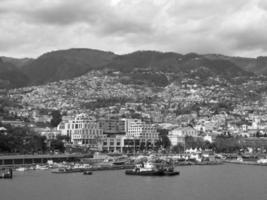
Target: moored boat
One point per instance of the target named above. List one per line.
(150, 169)
(173, 173)
(87, 173)
(66, 170)
(22, 169)
(41, 167)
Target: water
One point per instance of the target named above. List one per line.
(223, 182)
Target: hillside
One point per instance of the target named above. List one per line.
(65, 64)
(11, 76)
(152, 68)
(261, 65)
(18, 62)
(148, 65)
(256, 65)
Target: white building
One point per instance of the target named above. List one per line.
(83, 130)
(114, 143)
(137, 129)
(136, 134)
(113, 126)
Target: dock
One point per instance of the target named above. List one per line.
(27, 160)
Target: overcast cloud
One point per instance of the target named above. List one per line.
(232, 27)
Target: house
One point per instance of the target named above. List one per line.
(3, 130)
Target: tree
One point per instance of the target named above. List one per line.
(228, 144)
(57, 145)
(179, 148)
(63, 138)
(163, 138)
(191, 142)
(21, 140)
(56, 118)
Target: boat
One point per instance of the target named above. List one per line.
(87, 173)
(6, 173)
(65, 170)
(21, 169)
(110, 167)
(41, 167)
(151, 169)
(174, 173)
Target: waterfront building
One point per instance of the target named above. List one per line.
(83, 131)
(133, 134)
(112, 126)
(114, 143)
(135, 128)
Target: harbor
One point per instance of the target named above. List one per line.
(218, 182)
(141, 164)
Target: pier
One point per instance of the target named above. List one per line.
(26, 160)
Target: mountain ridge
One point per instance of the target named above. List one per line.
(139, 66)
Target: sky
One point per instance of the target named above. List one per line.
(29, 28)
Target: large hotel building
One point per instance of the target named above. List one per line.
(109, 134)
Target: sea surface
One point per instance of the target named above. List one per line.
(222, 182)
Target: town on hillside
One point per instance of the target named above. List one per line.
(96, 112)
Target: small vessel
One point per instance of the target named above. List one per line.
(21, 169)
(65, 170)
(41, 167)
(151, 169)
(87, 173)
(6, 173)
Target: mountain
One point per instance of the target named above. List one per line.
(261, 65)
(174, 62)
(11, 76)
(146, 65)
(256, 65)
(18, 62)
(144, 59)
(65, 64)
(140, 67)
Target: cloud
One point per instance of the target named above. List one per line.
(230, 27)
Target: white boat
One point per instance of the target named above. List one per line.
(41, 167)
(21, 169)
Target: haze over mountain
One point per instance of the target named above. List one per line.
(150, 67)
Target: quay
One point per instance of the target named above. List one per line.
(27, 160)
